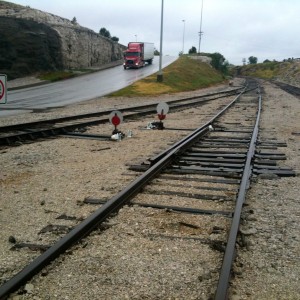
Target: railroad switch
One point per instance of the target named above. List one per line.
(117, 135)
(162, 110)
(156, 125)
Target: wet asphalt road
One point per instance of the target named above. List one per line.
(76, 90)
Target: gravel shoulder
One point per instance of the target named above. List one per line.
(269, 267)
(43, 180)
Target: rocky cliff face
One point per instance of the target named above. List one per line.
(33, 41)
(27, 47)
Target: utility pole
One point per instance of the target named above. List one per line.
(200, 32)
(159, 77)
(183, 36)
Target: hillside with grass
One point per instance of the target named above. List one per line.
(185, 74)
(287, 71)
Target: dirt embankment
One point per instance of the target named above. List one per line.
(287, 71)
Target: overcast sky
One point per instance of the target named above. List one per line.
(266, 29)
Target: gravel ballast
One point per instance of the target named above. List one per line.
(134, 258)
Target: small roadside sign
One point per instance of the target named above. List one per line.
(3, 93)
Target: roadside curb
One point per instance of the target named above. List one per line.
(92, 70)
(28, 85)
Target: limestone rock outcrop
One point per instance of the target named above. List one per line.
(32, 41)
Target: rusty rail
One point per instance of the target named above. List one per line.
(221, 293)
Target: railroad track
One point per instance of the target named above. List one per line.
(294, 90)
(17, 134)
(207, 173)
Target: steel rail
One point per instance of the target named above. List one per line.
(101, 214)
(291, 89)
(206, 125)
(104, 113)
(85, 227)
(222, 288)
(35, 133)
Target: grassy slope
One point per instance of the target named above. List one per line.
(272, 70)
(185, 74)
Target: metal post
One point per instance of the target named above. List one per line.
(160, 73)
(183, 36)
(200, 32)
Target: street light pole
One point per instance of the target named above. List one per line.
(183, 36)
(200, 32)
(160, 73)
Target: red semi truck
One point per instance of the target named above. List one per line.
(137, 53)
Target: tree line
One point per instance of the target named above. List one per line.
(218, 61)
(103, 31)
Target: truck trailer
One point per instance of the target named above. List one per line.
(137, 53)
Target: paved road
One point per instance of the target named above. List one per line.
(76, 90)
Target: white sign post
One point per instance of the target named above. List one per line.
(3, 93)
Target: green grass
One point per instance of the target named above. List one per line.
(185, 74)
(266, 70)
(61, 75)
(57, 75)
(269, 70)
